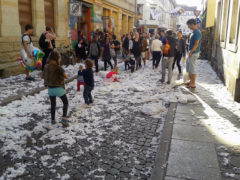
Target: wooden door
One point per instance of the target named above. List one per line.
(25, 13)
(49, 13)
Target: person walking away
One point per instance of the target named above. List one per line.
(136, 50)
(106, 56)
(47, 44)
(194, 52)
(144, 45)
(80, 49)
(88, 77)
(115, 44)
(54, 76)
(180, 52)
(27, 44)
(95, 51)
(156, 49)
(80, 80)
(125, 46)
(168, 56)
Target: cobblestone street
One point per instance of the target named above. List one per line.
(116, 138)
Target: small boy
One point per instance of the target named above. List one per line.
(89, 82)
(80, 80)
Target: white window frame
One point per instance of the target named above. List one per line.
(233, 46)
(223, 43)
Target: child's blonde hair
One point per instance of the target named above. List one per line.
(115, 69)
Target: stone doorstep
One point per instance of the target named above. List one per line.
(193, 160)
(35, 91)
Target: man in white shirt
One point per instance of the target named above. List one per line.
(27, 44)
(156, 48)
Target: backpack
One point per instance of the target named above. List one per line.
(166, 48)
(42, 42)
(94, 49)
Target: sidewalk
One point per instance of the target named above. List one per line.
(205, 140)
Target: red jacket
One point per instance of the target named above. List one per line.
(110, 74)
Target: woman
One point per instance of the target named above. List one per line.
(94, 51)
(80, 49)
(180, 52)
(106, 56)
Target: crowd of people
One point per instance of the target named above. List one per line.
(136, 50)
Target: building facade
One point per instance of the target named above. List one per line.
(156, 14)
(96, 14)
(225, 52)
(184, 17)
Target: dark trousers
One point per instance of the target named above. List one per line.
(138, 61)
(95, 58)
(107, 61)
(87, 94)
(53, 105)
(156, 58)
(44, 60)
(177, 58)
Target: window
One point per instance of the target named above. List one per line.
(25, 13)
(234, 22)
(224, 20)
(49, 13)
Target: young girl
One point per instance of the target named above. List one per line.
(54, 76)
(112, 75)
(80, 78)
(89, 81)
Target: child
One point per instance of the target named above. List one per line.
(80, 78)
(54, 76)
(89, 82)
(112, 75)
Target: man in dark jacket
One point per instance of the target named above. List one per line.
(180, 51)
(168, 58)
(136, 50)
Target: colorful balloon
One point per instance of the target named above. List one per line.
(35, 62)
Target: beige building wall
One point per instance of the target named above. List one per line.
(225, 52)
(10, 31)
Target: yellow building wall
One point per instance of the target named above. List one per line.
(211, 7)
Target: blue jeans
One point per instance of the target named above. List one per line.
(87, 94)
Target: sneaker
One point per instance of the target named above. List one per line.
(53, 122)
(91, 101)
(168, 82)
(30, 78)
(65, 123)
(162, 80)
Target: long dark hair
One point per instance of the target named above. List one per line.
(54, 56)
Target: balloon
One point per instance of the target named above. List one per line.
(35, 62)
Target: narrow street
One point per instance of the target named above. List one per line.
(115, 138)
